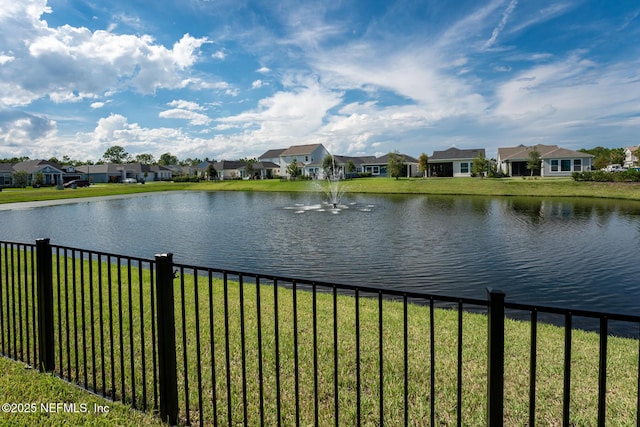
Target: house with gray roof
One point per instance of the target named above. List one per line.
(117, 172)
(377, 166)
(307, 157)
(453, 162)
(554, 160)
(53, 173)
(6, 174)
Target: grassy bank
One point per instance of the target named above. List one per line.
(540, 187)
(245, 359)
(22, 385)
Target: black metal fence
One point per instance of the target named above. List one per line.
(203, 346)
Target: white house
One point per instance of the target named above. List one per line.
(555, 161)
(630, 159)
(307, 157)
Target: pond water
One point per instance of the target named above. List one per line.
(563, 252)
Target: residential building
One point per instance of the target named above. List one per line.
(6, 174)
(377, 166)
(453, 162)
(53, 173)
(554, 161)
(630, 159)
(307, 157)
(115, 172)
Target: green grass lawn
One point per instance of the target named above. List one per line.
(20, 385)
(540, 187)
(122, 343)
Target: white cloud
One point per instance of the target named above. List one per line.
(5, 58)
(263, 70)
(23, 134)
(220, 54)
(196, 119)
(68, 63)
(185, 105)
(497, 30)
(256, 84)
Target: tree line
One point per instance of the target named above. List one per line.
(117, 154)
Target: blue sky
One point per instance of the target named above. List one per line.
(226, 79)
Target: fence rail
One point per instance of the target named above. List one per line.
(204, 346)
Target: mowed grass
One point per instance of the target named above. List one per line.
(21, 384)
(229, 360)
(538, 187)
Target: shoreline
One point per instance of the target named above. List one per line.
(72, 200)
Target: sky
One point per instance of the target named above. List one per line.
(227, 79)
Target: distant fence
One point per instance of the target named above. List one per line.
(203, 346)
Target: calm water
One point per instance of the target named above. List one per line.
(566, 252)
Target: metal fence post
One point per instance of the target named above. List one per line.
(166, 339)
(495, 359)
(44, 268)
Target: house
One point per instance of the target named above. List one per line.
(266, 169)
(307, 157)
(176, 170)
(115, 172)
(555, 161)
(6, 174)
(453, 162)
(377, 166)
(272, 155)
(229, 169)
(342, 165)
(630, 159)
(52, 173)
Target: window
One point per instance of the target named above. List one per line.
(565, 165)
(554, 166)
(464, 167)
(577, 165)
(373, 170)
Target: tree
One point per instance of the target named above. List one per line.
(167, 159)
(38, 178)
(605, 156)
(533, 162)
(351, 167)
(191, 162)
(212, 172)
(146, 159)
(636, 154)
(617, 156)
(423, 164)
(20, 179)
(480, 165)
(328, 165)
(115, 154)
(249, 168)
(292, 169)
(395, 164)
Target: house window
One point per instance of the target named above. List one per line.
(464, 167)
(554, 165)
(565, 165)
(577, 165)
(306, 158)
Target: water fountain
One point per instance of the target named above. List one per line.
(333, 187)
